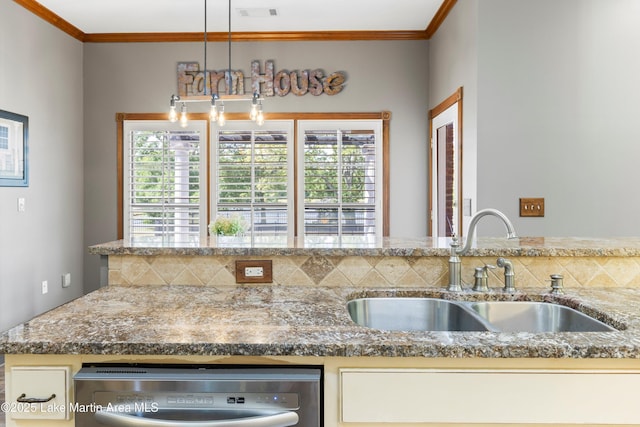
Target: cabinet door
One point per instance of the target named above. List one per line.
(489, 396)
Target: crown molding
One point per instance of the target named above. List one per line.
(439, 17)
(37, 9)
(254, 37)
(55, 20)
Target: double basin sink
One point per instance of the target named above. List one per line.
(435, 314)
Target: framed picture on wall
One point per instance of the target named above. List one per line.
(14, 161)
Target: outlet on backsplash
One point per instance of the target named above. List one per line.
(259, 271)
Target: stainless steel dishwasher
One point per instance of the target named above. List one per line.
(198, 396)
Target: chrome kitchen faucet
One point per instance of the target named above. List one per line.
(455, 265)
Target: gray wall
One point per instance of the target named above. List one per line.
(41, 77)
(139, 78)
(453, 63)
(557, 90)
(558, 113)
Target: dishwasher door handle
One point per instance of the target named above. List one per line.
(121, 419)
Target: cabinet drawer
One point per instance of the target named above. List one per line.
(49, 385)
(489, 396)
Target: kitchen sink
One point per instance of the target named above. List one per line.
(531, 316)
(435, 314)
(414, 314)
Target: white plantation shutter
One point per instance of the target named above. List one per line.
(337, 165)
(164, 181)
(254, 176)
(342, 179)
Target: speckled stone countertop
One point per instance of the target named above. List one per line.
(301, 321)
(356, 246)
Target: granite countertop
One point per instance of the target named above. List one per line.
(301, 321)
(362, 246)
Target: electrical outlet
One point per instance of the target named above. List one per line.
(21, 204)
(259, 271)
(45, 287)
(532, 207)
(253, 272)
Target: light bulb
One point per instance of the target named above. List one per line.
(173, 114)
(213, 114)
(221, 118)
(183, 116)
(254, 111)
(260, 115)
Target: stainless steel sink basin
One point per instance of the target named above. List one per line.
(530, 316)
(414, 314)
(434, 314)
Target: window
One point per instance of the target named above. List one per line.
(164, 181)
(4, 137)
(6, 156)
(253, 176)
(305, 174)
(341, 185)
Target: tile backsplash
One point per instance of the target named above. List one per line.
(370, 271)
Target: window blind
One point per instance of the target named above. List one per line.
(164, 183)
(340, 182)
(253, 179)
(6, 156)
(4, 137)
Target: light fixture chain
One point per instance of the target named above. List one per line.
(230, 78)
(215, 115)
(205, 48)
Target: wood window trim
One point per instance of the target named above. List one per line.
(385, 116)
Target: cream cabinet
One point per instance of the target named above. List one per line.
(38, 393)
(495, 396)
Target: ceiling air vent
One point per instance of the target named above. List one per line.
(257, 12)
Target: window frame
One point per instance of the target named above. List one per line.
(154, 125)
(340, 125)
(248, 125)
(384, 116)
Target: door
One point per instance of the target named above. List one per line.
(445, 166)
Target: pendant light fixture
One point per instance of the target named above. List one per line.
(216, 113)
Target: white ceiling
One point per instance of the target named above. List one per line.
(168, 16)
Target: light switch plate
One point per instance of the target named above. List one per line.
(466, 207)
(66, 280)
(532, 207)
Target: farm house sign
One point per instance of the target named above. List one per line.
(191, 81)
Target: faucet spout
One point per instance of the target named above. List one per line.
(511, 232)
